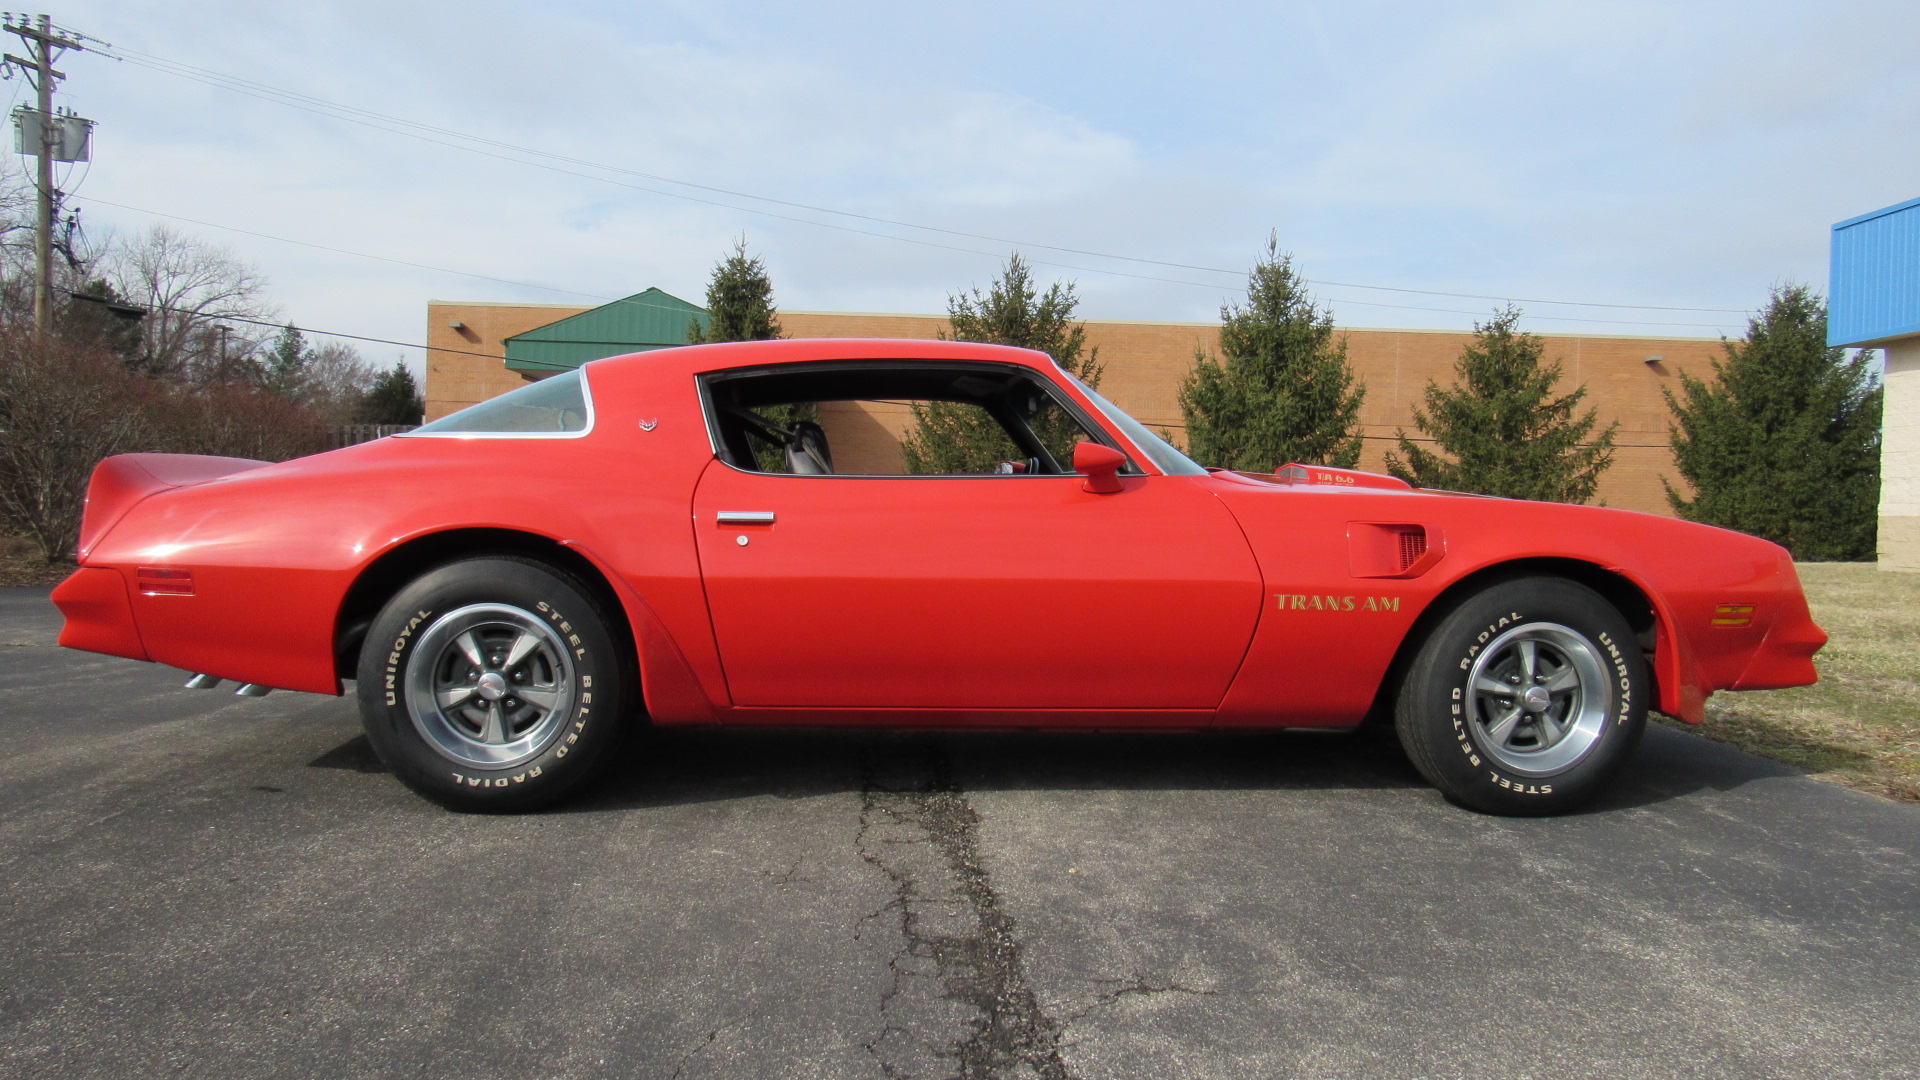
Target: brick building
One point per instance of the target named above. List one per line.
(479, 350)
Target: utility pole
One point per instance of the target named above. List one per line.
(44, 45)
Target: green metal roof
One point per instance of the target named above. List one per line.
(640, 323)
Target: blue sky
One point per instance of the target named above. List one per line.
(1683, 155)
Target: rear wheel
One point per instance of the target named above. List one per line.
(1527, 698)
(494, 684)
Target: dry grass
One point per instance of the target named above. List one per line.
(21, 564)
(1860, 724)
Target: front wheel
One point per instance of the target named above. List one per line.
(493, 684)
(1527, 698)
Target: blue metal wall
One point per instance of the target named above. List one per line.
(1873, 292)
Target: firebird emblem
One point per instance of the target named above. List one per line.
(649, 425)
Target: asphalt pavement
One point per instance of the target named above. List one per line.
(197, 884)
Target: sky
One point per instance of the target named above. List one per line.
(884, 156)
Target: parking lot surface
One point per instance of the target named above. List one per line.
(193, 883)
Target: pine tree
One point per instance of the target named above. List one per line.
(739, 302)
(98, 314)
(286, 364)
(394, 399)
(1507, 434)
(740, 308)
(954, 438)
(1784, 440)
(1282, 391)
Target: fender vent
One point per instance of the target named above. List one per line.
(1390, 549)
(1413, 544)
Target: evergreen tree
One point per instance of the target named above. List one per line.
(1282, 391)
(1784, 440)
(739, 302)
(1507, 434)
(98, 315)
(955, 438)
(394, 399)
(740, 308)
(286, 364)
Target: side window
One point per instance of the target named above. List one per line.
(894, 420)
(955, 438)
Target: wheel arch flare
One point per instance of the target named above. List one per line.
(666, 680)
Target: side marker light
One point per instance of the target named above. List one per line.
(1733, 615)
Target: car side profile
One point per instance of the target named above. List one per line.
(746, 534)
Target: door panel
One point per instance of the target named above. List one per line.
(1004, 592)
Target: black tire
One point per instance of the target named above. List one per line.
(1577, 706)
(495, 685)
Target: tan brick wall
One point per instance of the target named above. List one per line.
(456, 377)
(1900, 459)
(1145, 363)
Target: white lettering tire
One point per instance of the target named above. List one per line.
(494, 685)
(1526, 699)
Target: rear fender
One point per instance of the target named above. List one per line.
(120, 482)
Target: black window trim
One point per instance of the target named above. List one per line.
(1089, 422)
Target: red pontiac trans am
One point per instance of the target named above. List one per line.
(670, 536)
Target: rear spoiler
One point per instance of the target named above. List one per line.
(121, 481)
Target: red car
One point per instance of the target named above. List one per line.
(674, 535)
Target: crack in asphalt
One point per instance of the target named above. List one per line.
(701, 1048)
(959, 968)
(1136, 985)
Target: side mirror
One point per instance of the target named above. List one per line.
(1100, 465)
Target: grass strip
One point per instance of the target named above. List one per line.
(1860, 724)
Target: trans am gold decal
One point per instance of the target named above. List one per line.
(1323, 602)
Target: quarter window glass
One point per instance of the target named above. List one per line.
(553, 405)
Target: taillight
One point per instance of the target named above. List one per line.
(164, 581)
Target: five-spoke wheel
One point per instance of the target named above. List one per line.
(1537, 703)
(496, 687)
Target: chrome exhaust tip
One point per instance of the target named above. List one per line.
(203, 682)
(253, 690)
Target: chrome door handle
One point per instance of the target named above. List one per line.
(744, 517)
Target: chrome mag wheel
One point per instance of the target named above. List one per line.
(1537, 698)
(490, 685)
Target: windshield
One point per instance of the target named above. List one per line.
(1171, 461)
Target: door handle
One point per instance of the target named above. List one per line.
(744, 517)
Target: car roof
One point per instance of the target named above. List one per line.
(738, 354)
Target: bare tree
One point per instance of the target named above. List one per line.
(338, 380)
(188, 287)
(63, 407)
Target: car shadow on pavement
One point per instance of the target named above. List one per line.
(679, 766)
(667, 767)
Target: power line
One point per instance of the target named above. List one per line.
(378, 258)
(568, 367)
(355, 337)
(642, 303)
(381, 121)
